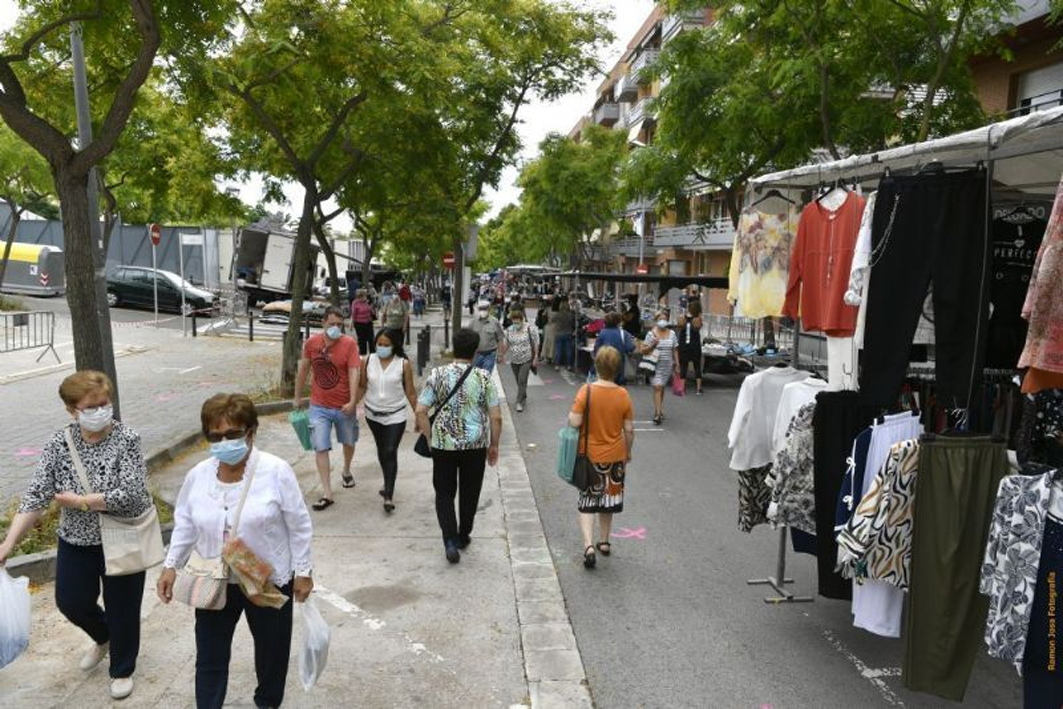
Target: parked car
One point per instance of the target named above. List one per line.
(134, 286)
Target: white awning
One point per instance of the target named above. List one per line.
(635, 130)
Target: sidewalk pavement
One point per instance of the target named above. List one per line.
(408, 628)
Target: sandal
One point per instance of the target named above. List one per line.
(605, 548)
(348, 481)
(389, 506)
(322, 504)
(589, 559)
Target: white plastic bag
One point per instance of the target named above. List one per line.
(14, 616)
(314, 652)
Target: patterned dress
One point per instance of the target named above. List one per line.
(1044, 307)
(665, 356)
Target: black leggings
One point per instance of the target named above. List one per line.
(690, 358)
(364, 330)
(387, 437)
(938, 238)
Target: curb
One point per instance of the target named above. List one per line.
(553, 666)
(40, 567)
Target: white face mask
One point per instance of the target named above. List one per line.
(483, 314)
(662, 324)
(96, 419)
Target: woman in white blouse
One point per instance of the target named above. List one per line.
(385, 388)
(274, 524)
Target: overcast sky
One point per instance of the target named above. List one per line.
(536, 120)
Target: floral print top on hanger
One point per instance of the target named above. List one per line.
(760, 262)
(1044, 298)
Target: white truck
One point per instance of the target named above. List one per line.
(264, 260)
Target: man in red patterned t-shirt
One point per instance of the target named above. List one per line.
(334, 359)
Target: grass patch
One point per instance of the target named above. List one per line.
(11, 303)
(43, 535)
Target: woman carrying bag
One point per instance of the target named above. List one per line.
(661, 342)
(610, 436)
(107, 453)
(241, 514)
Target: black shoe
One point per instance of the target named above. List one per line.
(589, 558)
(463, 541)
(453, 555)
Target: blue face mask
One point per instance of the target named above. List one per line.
(334, 332)
(383, 351)
(230, 452)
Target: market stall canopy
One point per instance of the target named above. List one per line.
(664, 281)
(1026, 152)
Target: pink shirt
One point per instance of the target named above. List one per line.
(1044, 298)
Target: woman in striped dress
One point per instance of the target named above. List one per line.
(662, 339)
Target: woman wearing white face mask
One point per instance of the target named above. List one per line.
(272, 522)
(115, 468)
(385, 387)
(662, 339)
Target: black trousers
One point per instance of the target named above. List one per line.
(387, 437)
(687, 358)
(364, 331)
(839, 417)
(938, 238)
(79, 572)
(458, 473)
(271, 629)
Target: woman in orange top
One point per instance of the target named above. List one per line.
(610, 437)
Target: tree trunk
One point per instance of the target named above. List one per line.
(293, 337)
(86, 282)
(16, 217)
(330, 259)
(369, 243)
(457, 299)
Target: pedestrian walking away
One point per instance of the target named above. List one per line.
(111, 455)
(688, 332)
(520, 343)
(613, 336)
(463, 438)
(489, 330)
(564, 336)
(551, 304)
(661, 339)
(395, 314)
(362, 317)
(243, 505)
(385, 388)
(335, 364)
(610, 436)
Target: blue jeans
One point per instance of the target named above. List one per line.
(322, 419)
(563, 354)
(485, 360)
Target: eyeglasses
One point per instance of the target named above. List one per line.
(231, 435)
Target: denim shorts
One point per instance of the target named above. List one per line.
(323, 419)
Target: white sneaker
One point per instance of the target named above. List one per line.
(121, 687)
(93, 656)
(520, 407)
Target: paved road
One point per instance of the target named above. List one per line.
(668, 620)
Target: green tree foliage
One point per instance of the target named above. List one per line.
(25, 184)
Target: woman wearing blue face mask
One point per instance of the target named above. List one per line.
(110, 452)
(273, 523)
(385, 388)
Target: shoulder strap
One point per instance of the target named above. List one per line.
(76, 458)
(447, 398)
(585, 428)
(249, 475)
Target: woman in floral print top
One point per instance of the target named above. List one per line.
(117, 472)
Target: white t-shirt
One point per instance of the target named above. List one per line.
(385, 393)
(753, 424)
(794, 396)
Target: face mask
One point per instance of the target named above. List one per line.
(662, 324)
(383, 351)
(334, 332)
(96, 419)
(230, 452)
(518, 324)
(483, 314)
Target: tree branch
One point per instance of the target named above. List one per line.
(486, 165)
(334, 128)
(273, 75)
(27, 46)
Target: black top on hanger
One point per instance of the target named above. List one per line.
(837, 185)
(773, 193)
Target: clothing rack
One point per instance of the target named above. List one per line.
(778, 581)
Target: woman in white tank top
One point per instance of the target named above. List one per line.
(385, 388)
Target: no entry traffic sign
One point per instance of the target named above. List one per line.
(156, 234)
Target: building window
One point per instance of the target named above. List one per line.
(1040, 89)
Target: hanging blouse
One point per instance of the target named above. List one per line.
(760, 262)
(1044, 299)
(819, 267)
(1012, 556)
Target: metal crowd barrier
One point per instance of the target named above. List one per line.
(27, 331)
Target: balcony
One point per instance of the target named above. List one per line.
(640, 111)
(640, 205)
(607, 114)
(629, 246)
(627, 89)
(717, 234)
(674, 24)
(645, 58)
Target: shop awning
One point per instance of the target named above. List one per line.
(635, 130)
(663, 281)
(1027, 155)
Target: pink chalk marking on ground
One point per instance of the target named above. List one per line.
(548, 381)
(26, 452)
(168, 396)
(555, 397)
(625, 533)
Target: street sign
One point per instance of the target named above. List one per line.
(156, 234)
(448, 259)
(192, 239)
(642, 268)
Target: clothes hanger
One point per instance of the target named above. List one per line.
(773, 193)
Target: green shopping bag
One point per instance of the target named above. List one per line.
(567, 442)
(300, 421)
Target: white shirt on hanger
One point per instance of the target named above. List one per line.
(794, 396)
(753, 424)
